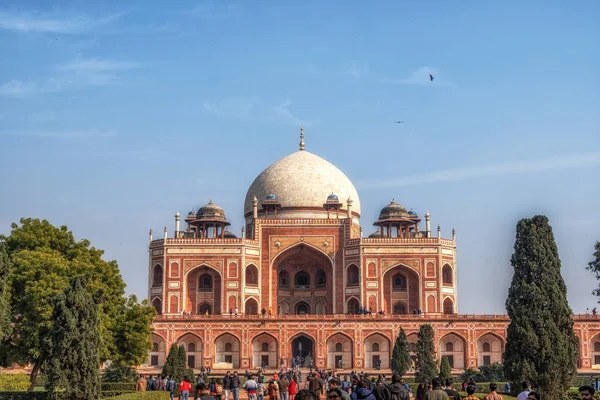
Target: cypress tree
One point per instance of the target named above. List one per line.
(171, 363)
(426, 366)
(181, 363)
(594, 266)
(445, 370)
(401, 355)
(541, 346)
(73, 346)
(5, 305)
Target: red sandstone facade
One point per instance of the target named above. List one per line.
(302, 259)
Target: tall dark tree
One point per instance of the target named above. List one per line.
(5, 304)
(594, 266)
(73, 346)
(445, 369)
(541, 346)
(425, 365)
(401, 354)
(47, 258)
(171, 363)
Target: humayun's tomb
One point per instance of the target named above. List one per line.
(301, 258)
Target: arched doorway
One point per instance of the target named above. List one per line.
(352, 276)
(302, 351)
(193, 349)
(284, 307)
(264, 351)
(251, 307)
(204, 308)
(156, 356)
(157, 276)
(304, 274)
(251, 275)
(302, 308)
(448, 306)
(339, 351)
(227, 353)
(157, 304)
(353, 305)
(447, 275)
(203, 287)
(453, 347)
(377, 349)
(489, 349)
(401, 285)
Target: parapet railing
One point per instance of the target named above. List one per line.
(434, 240)
(160, 242)
(336, 317)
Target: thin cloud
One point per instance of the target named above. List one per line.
(285, 115)
(237, 108)
(61, 134)
(18, 88)
(474, 172)
(421, 77)
(45, 23)
(99, 65)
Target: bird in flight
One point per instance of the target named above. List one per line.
(431, 78)
(399, 122)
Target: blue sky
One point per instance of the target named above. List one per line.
(113, 117)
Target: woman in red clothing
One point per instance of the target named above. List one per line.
(293, 387)
(185, 389)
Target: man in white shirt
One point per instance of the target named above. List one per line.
(525, 391)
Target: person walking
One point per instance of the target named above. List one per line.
(492, 395)
(251, 388)
(204, 392)
(185, 389)
(397, 389)
(293, 388)
(170, 387)
(227, 382)
(141, 384)
(524, 391)
(362, 392)
(235, 386)
(335, 383)
(315, 385)
(283, 384)
(436, 392)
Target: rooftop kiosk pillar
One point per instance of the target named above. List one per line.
(177, 222)
(428, 224)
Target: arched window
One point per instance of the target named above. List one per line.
(399, 308)
(191, 347)
(486, 347)
(447, 275)
(284, 279)
(375, 347)
(228, 347)
(302, 308)
(353, 306)
(157, 276)
(265, 347)
(157, 304)
(205, 283)
(154, 347)
(339, 347)
(204, 308)
(352, 276)
(321, 278)
(399, 283)
(597, 346)
(448, 306)
(302, 280)
(251, 275)
(449, 346)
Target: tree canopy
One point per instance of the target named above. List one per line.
(401, 354)
(71, 348)
(425, 365)
(47, 258)
(594, 266)
(5, 311)
(445, 369)
(541, 346)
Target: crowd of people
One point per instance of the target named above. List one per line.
(291, 385)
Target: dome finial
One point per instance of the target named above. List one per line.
(301, 137)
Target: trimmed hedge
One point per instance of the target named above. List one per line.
(23, 396)
(153, 395)
(14, 382)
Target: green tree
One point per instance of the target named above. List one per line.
(47, 258)
(425, 364)
(541, 346)
(72, 347)
(181, 362)
(401, 354)
(132, 332)
(5, 305)
(170, 367)
(116, 372)
(594, 266)
(445, 369)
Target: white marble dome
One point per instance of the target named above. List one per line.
(302, 179)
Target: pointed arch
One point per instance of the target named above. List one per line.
(284, 307)
(251, 306)
(274, 261)
(157, 304)
(321, 307)
(157, 354)
(595, 349)
(352, 275)
(251, 275)
(447, 275)
(309, 348)
(490, 348)
(157, 276)
(401, 282)
(377, 350)
(448, 306)
(264, 350)
(453, 346)
(211, 292)
(227, 351)
(339, 351)
(352, 305)
(193, 347)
